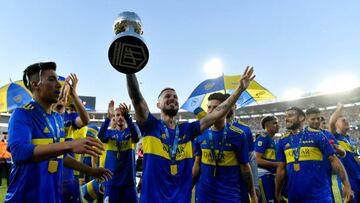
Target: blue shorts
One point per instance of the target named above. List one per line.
(71, 191)
(120, 194)
(267, 188)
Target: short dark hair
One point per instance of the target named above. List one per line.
(312, 110)
(322, 118)
(298, 111)
(217, 96)
(165, 89)
(33, 72)
(267, 119)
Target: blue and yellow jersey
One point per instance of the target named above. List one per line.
(119, 156)
(249, 136)
(158, 184)
(349, 162)
(78, 134)
(307, 177)
(32, 181)
(266, 145)
(69, 124)
(332, 140)
(224, 185)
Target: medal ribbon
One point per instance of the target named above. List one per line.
(220, 146)
(296, 148)
(172, 146)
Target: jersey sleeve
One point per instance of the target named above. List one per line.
(194, 129)
(261, 144)
(280, 154)
(147, 127)
(103, 132)
(325, 146)
(197, 147)
(241, 148)
(20, 136)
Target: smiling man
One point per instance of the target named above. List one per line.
(168, 155)
(36, 141)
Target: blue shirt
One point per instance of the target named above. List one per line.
(248, 133)
(265, 144)
(69, 124)
(224, 186)
(310, 181)
(119, 155)
(349, 162)
(158, 184)
(32, 181)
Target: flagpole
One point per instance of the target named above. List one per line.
(224, 81)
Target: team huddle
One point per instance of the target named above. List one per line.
(215, 155)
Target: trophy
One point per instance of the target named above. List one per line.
(128, 52)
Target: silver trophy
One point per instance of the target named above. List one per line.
(128, 52)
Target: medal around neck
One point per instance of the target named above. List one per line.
(128, 52)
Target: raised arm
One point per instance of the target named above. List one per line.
(124, 109)
(83, 118)
(104, 126)
(334, 117)
(223, 109)
(138, 101)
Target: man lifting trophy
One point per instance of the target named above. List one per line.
(128, 52)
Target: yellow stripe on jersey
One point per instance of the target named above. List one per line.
(306, 154)
(261, 186)
(43, 141)
(228, 159)
(124, 145)
(346, 146)
(236, 129)
(91, 191)
(102, 159)
(269, 154)
(153, 145)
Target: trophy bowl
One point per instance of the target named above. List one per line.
(128, 52)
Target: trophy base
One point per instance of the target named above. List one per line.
(128, 54)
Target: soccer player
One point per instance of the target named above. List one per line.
(322, 123)
(339, 126)
(266, 158)
(167, 145)
(313, 119)
(72, 121)
(300, 156)
(120, 155)
(224, 158)
(252, 160)
(36, 141)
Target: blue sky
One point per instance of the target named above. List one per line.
(291, 44)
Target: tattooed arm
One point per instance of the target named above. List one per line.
(138, 101)
(223, 109)
(340, 171)
(247, 178)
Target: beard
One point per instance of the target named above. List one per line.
(171, 112)
(294, 126)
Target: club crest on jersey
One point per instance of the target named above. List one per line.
(46, 130)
